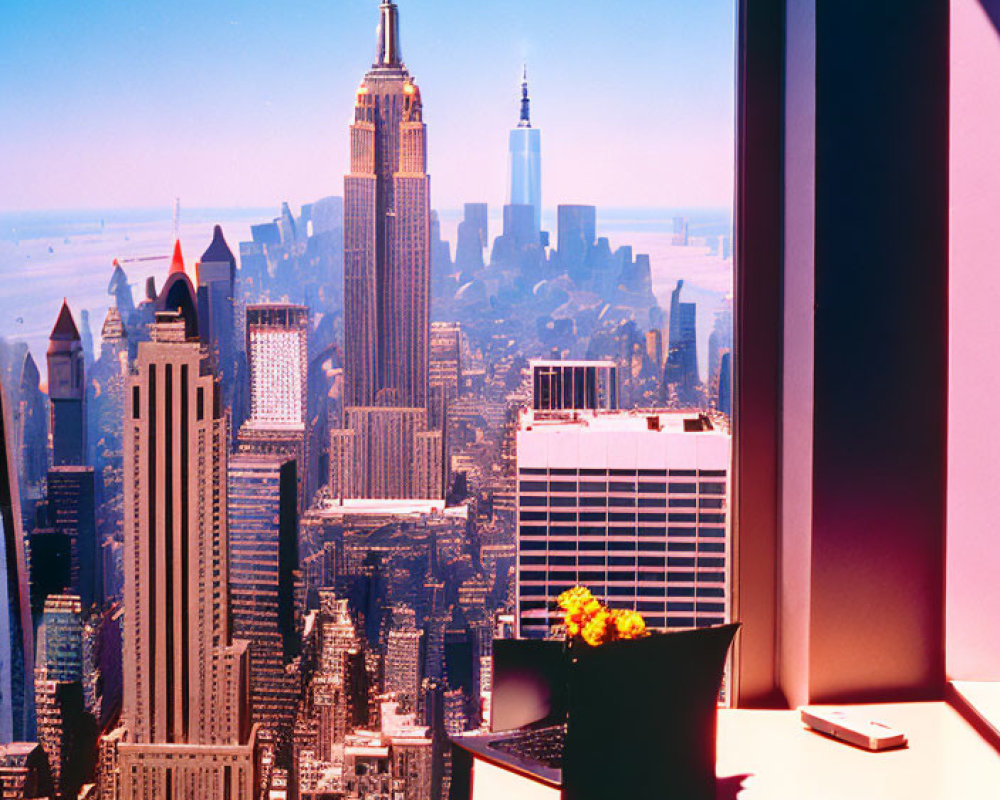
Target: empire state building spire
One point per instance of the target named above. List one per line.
(387, 52)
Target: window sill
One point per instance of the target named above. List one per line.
(772, 755)
(979, 703)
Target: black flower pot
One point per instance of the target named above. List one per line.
(641, 716)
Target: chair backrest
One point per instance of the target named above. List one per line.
(529, 683)
(642, 714)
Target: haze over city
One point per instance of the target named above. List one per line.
(118, 104)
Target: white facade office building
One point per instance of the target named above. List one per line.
(633, 505)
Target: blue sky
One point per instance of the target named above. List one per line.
(128, 104)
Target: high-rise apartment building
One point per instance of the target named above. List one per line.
(525, 150)
(632, 504)
(386, 272)
(67, 391)
(262, 564)
(185, 696)
(17, 664)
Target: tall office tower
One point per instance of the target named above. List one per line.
(402, 659)
(62, 634)
(109, 376)
(387, 234)
(654, 348)
(29, 440)
(473, 238)
(576, 233)
(573, 385)
(724, 403)
(680, 373)
(119, 288)
(632, 504)
(17, 664)
(445, 378)
(86, 338)
(720, 341)
(216, 317)
(277, 351)
(65, 731)
(526, 161)
(185, 706)
(71, 511)
(67, 391)
(262, 563)
(386, 271)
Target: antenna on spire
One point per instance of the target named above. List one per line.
(177, 218)
(525, 121)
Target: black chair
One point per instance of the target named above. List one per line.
(642, 716)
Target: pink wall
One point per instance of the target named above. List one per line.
(973, 550)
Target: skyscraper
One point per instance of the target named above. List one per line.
(277, 351)
(67, 391)
(386, 275)
(216, 292)
(17, 664)
(680, 373)
(185, 705)
(72, 515)
(262, 562)
(71, 508)
(632, 504)
(387, 234)
(525, 151)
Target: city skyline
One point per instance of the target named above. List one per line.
(151, 98)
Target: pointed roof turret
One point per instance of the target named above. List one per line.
(177, 262)
(65, 328)
(525, 120)
(387, 50)
(218, 250)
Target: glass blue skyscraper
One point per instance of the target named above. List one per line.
(526, 160)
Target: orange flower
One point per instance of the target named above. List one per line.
(629, 624)
(587, 617)
(599, 629)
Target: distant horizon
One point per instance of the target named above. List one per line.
(111, 105)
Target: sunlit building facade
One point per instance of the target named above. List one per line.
(185, 694)
(633, 505)
(386, 275)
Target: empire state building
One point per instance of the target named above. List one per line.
(385, 448)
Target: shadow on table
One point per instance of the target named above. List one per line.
(729, 787)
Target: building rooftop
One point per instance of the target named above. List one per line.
(383, 507)
(624, 421)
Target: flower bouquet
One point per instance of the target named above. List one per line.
(642, 705)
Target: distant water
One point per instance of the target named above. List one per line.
(46, 256)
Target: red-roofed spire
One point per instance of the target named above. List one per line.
(65, 328)
(177, 263)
